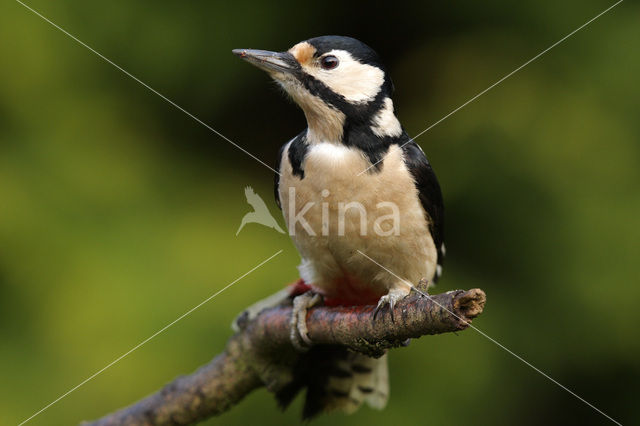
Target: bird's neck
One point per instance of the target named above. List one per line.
(325, 122)
(330, 125)
(327, 126)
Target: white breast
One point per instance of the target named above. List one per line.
(331, 181)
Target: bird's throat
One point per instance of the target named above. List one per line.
(325, 123)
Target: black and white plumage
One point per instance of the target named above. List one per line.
(354, 150)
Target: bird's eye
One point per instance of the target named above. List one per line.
(329, 62)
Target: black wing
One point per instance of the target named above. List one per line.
(430, 195)
(276, 176)
(297, 151)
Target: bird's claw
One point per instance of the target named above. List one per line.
(384, 301)
(390, 299)
(298, 332)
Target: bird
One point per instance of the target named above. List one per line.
(260, 213)
(362, 204)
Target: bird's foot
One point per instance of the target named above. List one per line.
(390, 299)
(298, 332)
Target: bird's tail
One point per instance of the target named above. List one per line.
(337, 380)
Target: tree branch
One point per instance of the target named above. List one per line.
(261, 353)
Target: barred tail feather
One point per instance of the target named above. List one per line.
(380, 395)
(368, 382)
(337, 380)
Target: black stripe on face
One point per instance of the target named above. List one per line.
(357, 131)
(357, 126)
(360, 52)
(357, 112)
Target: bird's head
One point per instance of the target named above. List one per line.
(339, 82)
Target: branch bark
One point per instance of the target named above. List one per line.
(261, 353)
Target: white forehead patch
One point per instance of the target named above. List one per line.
(385, 122)
(356, 81)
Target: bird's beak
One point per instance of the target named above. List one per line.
(282, 62)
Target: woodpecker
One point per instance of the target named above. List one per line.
(353, 183)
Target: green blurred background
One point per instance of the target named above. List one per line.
(118, 213)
